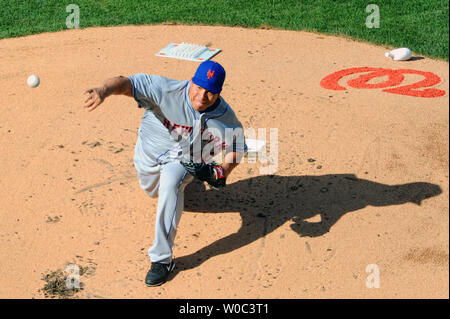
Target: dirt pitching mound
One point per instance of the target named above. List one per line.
(356, 205)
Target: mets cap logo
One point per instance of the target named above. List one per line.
(210, 74)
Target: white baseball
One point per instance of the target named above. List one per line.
(33, 81)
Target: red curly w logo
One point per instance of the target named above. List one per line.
(210, 74)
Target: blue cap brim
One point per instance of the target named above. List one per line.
(206, 86)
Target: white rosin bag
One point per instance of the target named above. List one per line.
(401, 54)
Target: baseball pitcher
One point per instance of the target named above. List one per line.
(185, 125)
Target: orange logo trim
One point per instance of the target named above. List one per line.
(210, 74)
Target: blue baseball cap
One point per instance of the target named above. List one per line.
(210, 75)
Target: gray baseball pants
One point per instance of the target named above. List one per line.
(167, 182)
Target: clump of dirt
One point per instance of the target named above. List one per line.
(58, 286)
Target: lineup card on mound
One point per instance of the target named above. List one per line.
(188, 51)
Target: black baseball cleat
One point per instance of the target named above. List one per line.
(158, 273)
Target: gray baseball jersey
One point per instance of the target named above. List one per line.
(172, 129)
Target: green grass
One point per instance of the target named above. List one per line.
(421, 25)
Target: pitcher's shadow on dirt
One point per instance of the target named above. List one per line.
(267, 202)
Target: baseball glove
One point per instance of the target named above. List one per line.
(212, 173)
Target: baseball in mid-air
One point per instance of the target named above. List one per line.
(33, 81)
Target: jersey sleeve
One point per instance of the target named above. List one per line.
(147, 89)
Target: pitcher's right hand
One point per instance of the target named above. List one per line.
(95, 98)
